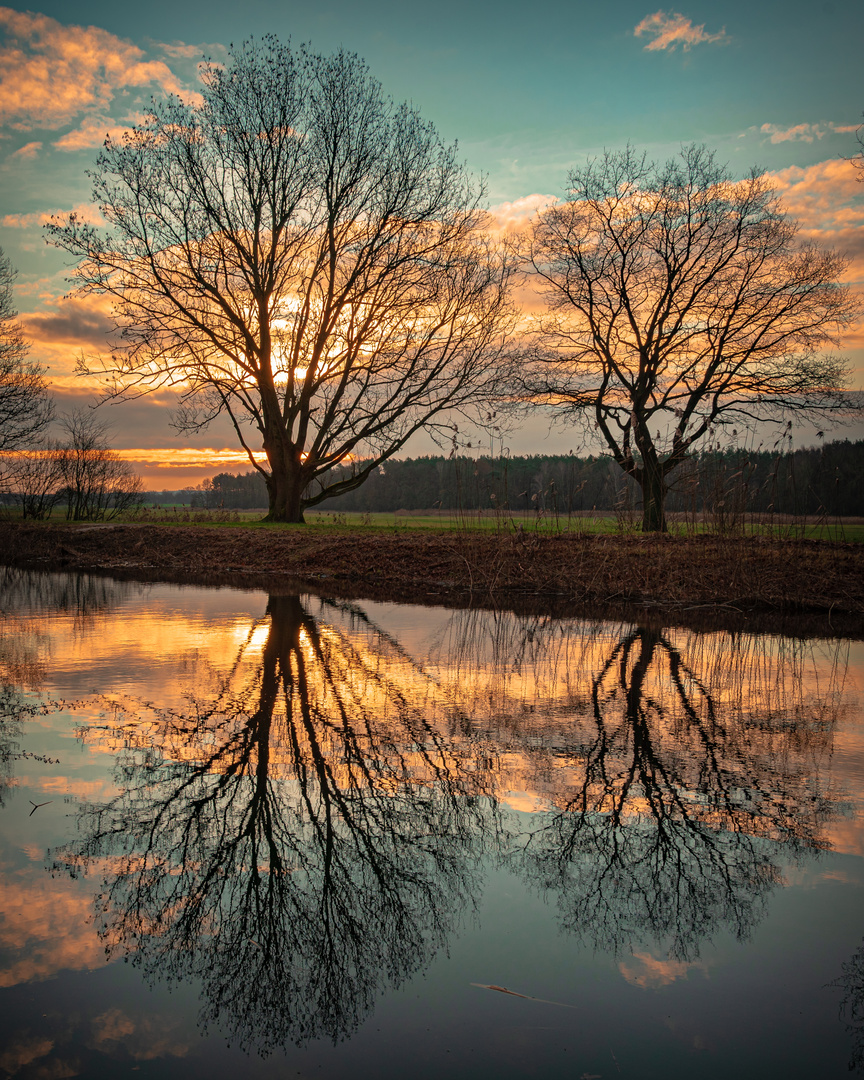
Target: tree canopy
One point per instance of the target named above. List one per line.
(299, 252)
(679, 299)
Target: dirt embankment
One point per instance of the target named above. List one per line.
(509, 569)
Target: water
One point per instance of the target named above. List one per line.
(288, 836)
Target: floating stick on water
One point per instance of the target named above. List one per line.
(528, 997)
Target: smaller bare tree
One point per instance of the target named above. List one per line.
(25, 408)
(96, 482)
(32, 480)
(680, 299)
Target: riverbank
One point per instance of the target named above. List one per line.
(727, 575)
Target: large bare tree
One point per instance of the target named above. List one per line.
(678, 300)
(302, 254)
(25, 408)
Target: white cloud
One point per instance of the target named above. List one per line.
(180, 51)
(516, 214)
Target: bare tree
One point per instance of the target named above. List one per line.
(302, 254)
(79, 469)
(33, 479)
(25, 408)
(679, 300)
(95, 482)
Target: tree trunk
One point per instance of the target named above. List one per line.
(285, 493)
(287, 479)
(653, 483)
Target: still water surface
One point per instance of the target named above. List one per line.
(283, 835)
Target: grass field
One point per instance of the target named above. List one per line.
(848, 530)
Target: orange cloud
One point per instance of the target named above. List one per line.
(844, 835)
(27, 152)
(819, 193)
(90, 790)
(23, 1051)
(646, 971)
(92, 132)
(85, 213)
(803, 132)
(512, 216)
(827, 200)
(144, 1038)
(160, 468)
(71, 323)
(51, 73)
(672, 29)
(46, 928)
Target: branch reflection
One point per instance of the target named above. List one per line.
(312, 825)
(675, 772)
(25, 650)
(851, 982)
(83, 596)
(27, 600)
(11, 710)
(297, 837)
(691, 776)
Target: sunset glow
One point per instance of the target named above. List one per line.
(65, 86)
(188, 457)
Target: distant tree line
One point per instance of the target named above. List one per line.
(824, 479)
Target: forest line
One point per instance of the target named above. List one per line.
(816, 480)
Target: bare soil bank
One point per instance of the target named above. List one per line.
(559, 573)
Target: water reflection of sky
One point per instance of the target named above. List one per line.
(328, 829)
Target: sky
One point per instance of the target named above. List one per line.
(528, 93)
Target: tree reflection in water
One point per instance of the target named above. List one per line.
(311, 826)
(15, 712)
(24, 594)
(678, 770)
(12, 713)
(296, 838)
(25, 600)
(691, 777)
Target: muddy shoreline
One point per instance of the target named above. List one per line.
(726, 581)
